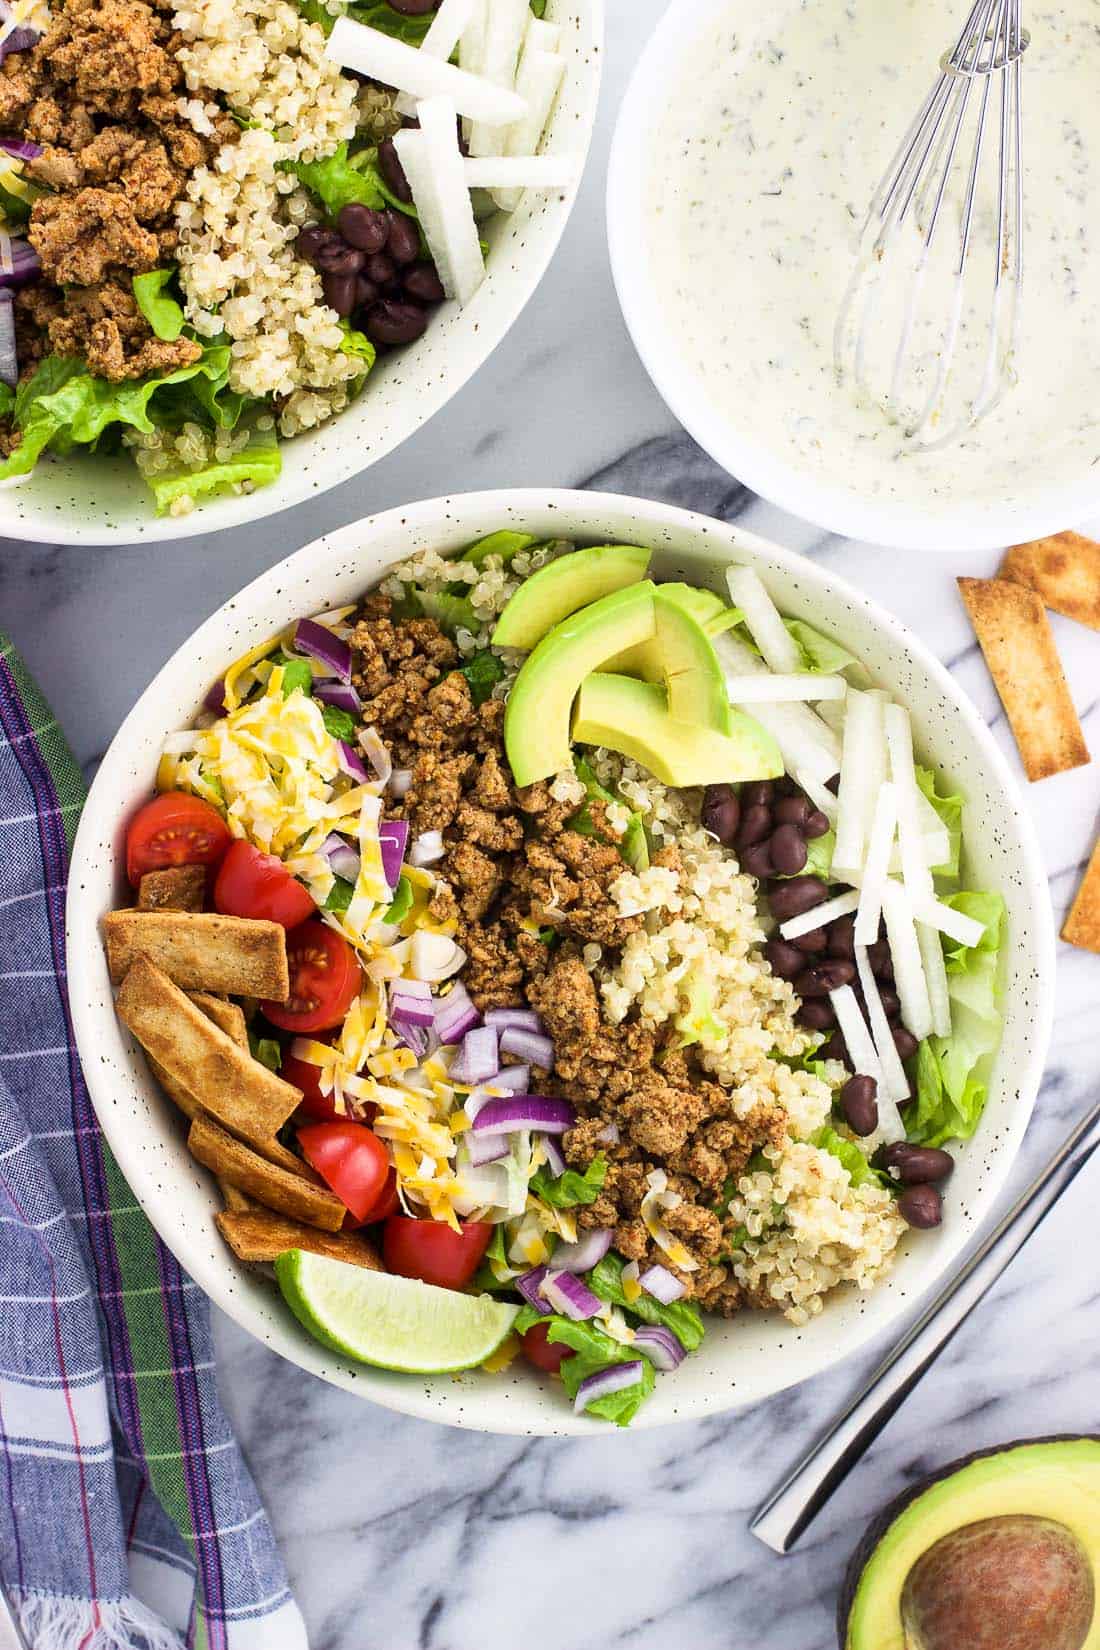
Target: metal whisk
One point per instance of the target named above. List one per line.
(946, 372)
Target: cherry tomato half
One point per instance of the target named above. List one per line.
(350, 1160)
(385, 1205)
(432, 1252)
(325, 979)
(174, 829)
(254, 884)
(303, 1074)
(541, 1352)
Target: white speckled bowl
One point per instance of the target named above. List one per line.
(104, 501)
(753, 1355)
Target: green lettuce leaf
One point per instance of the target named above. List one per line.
(379, 14)
(950, 810)
(450, 612)
(7, 400)
(340, 895)
(682, 1317)
(634, 845)
(267, 1050)
(297, 676)
(339, 723)
(339, 181)
(357, 344)
(482, 673)
(504, 544)
(822, 653)
(570, 1189)
(853, 1159)
(952, 1072)
(593, 1351)
(159, 308)
(494, 1275)
(259, 463)
(402, 901)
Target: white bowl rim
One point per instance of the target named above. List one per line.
(838, 509)
(408, 1396)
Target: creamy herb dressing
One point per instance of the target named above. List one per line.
(764, 161)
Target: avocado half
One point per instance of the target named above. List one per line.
(1055, 1478)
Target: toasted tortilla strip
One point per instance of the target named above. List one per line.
(1082, 926)
(230, 1159)
(202, 951)
(1064, 570)
(203, 1061)
(229, 1017)
(176, 888)
(1014, 633)
(235, 1200)
(261, 1235)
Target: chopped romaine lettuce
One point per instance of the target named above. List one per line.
(821, 653)
(634, 845)
(593, 1351)
(357, 344)
(297, 676)
(697, 1019)
(254, 466)
(854, 1160)
(402, 902)
(338, 181)
(266, 1050)
(682, 1317)
(950, 810)
(449, 611)
(482, 674)
(504, 544)
(952, 1072)
(339, 896)
(568, 1190)
(340, 723)
(159, 308)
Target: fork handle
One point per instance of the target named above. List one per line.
(796, 1503)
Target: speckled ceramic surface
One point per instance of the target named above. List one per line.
(99, 501)
(754, 1355)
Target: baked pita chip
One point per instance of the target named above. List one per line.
(176, 888)
(235, 1200)
(1082, 926)
(261, 1235)
(215, 1073)
(230, 1159)
(229, 1017)
(1064, 570)
(1014, 634)
(202, 951)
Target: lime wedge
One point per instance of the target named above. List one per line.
(394, 1323)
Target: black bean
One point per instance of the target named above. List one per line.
(785, 960)
(756, 823)
(422, 282)
(818, 1014)
(917, 1165)
(889, 1000)
(339, 291)
(338, 258)
(904, 1042)
(389, 164)
(791, 899)
(757, 861)
(403, 238)
(788, 851)
(366, 293)
(792, 810)
(882, 965)
(390, 322)
(311, 240)
(413, 8)
(812, 943)
(921, 1206)
(786, 786)
(816, 824)
(833, 784)
(758, 790)
(381, 269)
(361, 226)
(835, 1049)
(859, 1103)
(842, 938)
(825, 977)
(721, 812)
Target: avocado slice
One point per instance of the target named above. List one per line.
(564, 586)
(1051, 1479)
(681, 655)
(712, 612)
(536, 719)
(633, 717)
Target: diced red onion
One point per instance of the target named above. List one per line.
(609, 1134)
(528, 1284)
(393, 836)
(9, 360)
(341, 695)
(663, 1349)
(215, 699)
(505, 1018)
(455, 1015)
(414, 1009)
(583, 1255)
(342, 857)
(477, 1059)
(414, 988)
(555, 1162)
(662, 1284)
(21, 148)
(401, 781)
(352, 763)
(427, 849)
(414, 1036)
(606, 1381)
(320, 644)
(524, 1111)
(486, 1148)
(530, 1046)
(18, 39)
(513, 1078)
(570, 1296)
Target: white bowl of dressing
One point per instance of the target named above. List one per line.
(747, 150)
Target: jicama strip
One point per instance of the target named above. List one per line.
(382, 57)
(540, 36)
(807, 745)
(862, 1055)
(818, 915)
(537, 81)
(820, 795)
(933, 826)
(861, 774)
(914, 865)
(876, 865)
(518, 172)
(935, 973)
(505, 22)
(766, 627)
(956, 925)
(447, 27)
(937, 851)
(894, 1086)
(804, 685)
(912, 988)
(433, 167)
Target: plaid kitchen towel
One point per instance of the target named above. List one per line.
(128, 1520)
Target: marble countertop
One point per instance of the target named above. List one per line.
(401, 1533)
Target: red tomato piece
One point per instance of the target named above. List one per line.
(432, 1252)
(382, 1208)
(325, 979)
(350, 1160)
(303, 1074)
(253, 884)
(174, 829)
(543, 1353)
